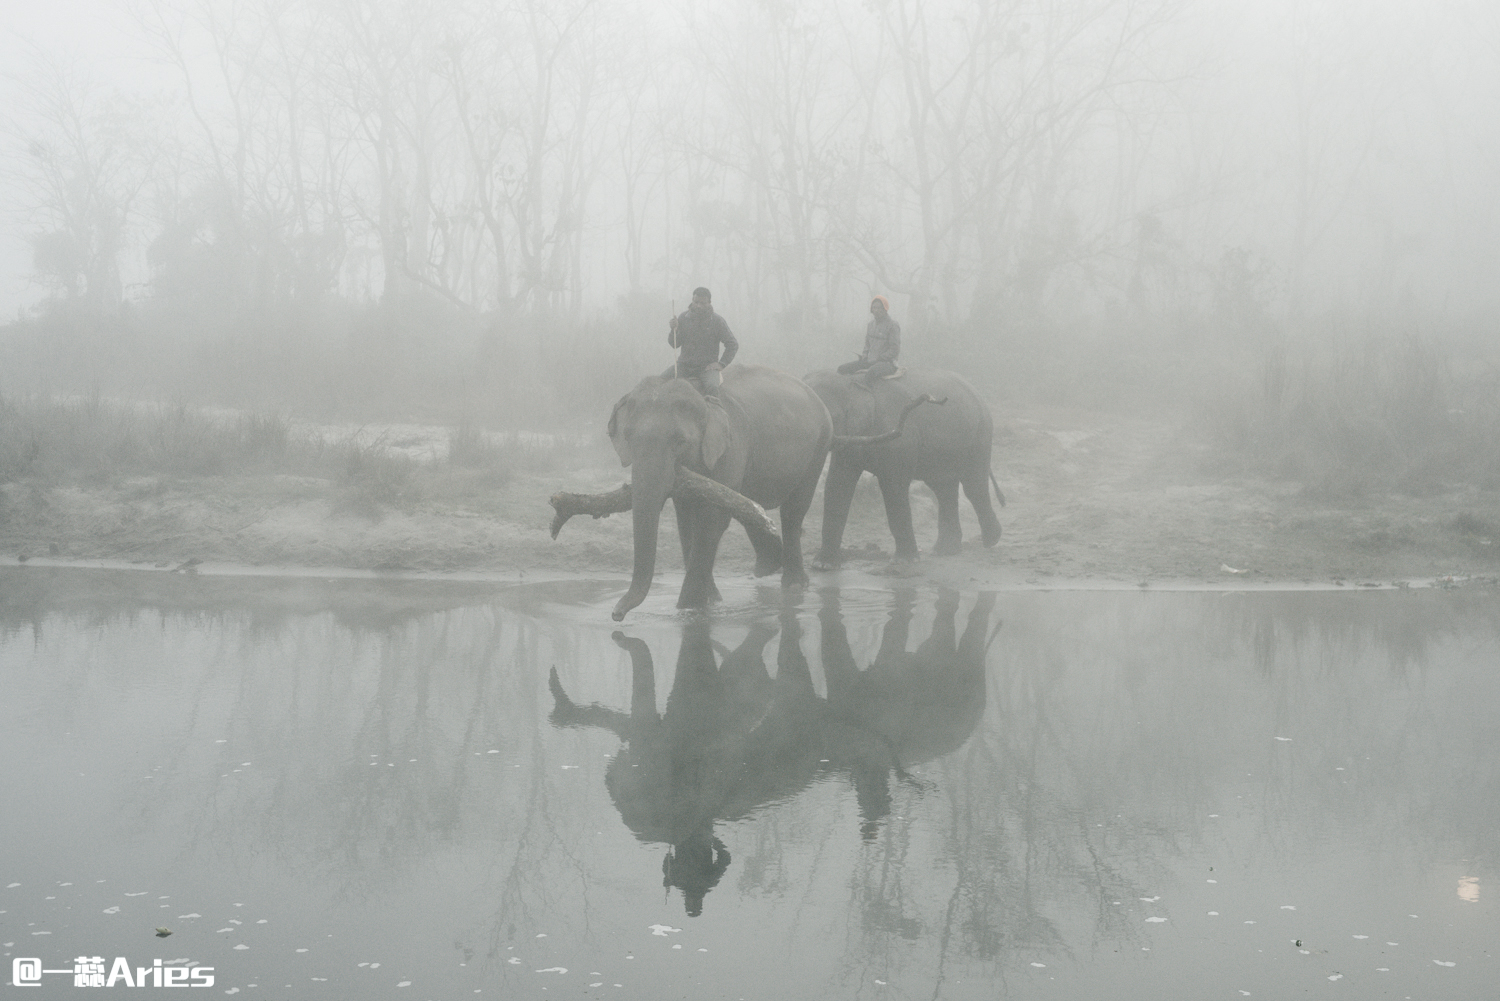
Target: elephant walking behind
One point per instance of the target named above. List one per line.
(946, 447)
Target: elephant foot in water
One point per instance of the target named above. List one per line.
(795, 578)
(991, 535)
(699, 597)
(828, 561)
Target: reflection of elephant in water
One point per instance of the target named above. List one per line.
(908, 706)
(945, 446)
(733, 739)
(765, 439)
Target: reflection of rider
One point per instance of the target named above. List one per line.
(695, 865)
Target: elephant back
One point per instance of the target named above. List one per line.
(785, 424)
(933, 437)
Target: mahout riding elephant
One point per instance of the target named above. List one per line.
(765, 439)
(945, 446)
(734, 740)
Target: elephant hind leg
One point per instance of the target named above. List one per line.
(950, 533)
(897, 496)
(977, 489)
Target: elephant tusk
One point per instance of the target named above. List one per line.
(845, 442)
(689, 485)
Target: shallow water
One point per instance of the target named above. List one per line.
(366, 789)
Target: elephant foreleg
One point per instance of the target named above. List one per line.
(897, 495)
(838, 495)
(950, 533)
(684, 511)
(698, 587)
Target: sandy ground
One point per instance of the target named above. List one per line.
(1095, 500)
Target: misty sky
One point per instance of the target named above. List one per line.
(1340, 154)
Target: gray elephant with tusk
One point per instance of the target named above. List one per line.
(946, 446)
(762, 445)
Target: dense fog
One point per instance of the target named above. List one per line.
(489, 210)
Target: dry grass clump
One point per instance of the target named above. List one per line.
(91, 441)
(1379, 415)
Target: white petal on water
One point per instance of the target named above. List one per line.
(554, 969)
(242, 946)
(223, 930)
(513, 961)
(1337, 976)
(1361, 936)
(1382, 969)
(184, 917)
(1249, 922)
(112, 910)
(1040, 966)
(49, 933)
(1441, 962)
(1213, 914)
(1393, 943)
(1283, 738)
(1151, 900)
(1155, 921)
(663, 929)
(301, 950)
(677, 946)
(541, 934)
(1213, 881)
(12, 886)
(141, 894)
(702, 950)
(374, 966)
(261, 921)
(1288, 907)
(404, 983)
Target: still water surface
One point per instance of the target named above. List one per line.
(407, 790)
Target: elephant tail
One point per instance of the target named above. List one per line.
(998, 492)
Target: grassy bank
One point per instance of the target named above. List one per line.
(1364, 416)
(55, 443)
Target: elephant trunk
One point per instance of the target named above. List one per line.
(651, 481)
(843, 444)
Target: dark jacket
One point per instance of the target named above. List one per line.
(882, 341)
(699, 341)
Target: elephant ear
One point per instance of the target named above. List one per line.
(617, 435)
(715, 437)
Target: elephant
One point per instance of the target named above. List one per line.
(734, 740)
(766, 438)
(945, 446)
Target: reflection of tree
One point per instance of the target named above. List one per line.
(733, 739)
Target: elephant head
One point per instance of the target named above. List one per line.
(659, 427)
